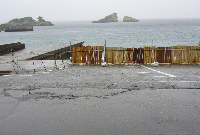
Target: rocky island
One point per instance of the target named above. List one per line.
(42, 22)
(24, 24)
(110, 18)
(129, 19)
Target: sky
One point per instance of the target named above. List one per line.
(79, 10)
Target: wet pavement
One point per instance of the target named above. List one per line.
(57, 98)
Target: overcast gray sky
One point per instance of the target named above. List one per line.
(72, 10)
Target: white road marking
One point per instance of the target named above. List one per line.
(45, 72)
(188, 81)
(180, 81)
(143, 72)
(5, 75)
(159, 71)
(159, 76)
(25, 75)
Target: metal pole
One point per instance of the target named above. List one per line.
(105, 51)
(70, 52)
(70, 47)
(17, 61)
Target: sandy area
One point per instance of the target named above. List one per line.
(125, 99)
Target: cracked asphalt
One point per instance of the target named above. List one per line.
(121, 99)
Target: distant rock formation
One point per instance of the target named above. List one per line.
(26, 21)
(129, 19)
(42, 22)
(110, 18)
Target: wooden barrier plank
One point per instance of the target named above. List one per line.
(131, 55)
(114, 55)
(83, 54)
(147, 54)
(135, 55)
(94, 54)
(88, 54)
(127, 55)
(153, 54)
(185, 54)
(119, 55)
(100, 52)
(179, 54)
(160, 54)
(97, 55)
(189, 55)
(106, 54)
(91, 55)
(173, 55)
(141, 55)
(109, 55)
(168, 55)
(198, 54)
(194, 54)
(78, 55)
(124, 55)
(73, 54)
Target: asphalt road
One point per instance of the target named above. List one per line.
(125, 99)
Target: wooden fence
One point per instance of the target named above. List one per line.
(118, 55)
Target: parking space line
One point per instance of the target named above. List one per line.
(181, 81)
(159, 71)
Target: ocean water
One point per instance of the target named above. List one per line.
(157, 32)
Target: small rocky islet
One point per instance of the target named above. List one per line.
(25, 23)
(110, 18)
(129, 19)
(113, 18)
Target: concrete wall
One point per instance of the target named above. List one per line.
(6, 48)
(59, 54)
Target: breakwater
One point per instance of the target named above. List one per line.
(11, 47)
(58, 54)
(145, 55)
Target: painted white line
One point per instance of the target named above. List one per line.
(25, 75)
(6, 75)
(159, 71)
(142, 72)
(45, 72)
(189, 81)
(172, 76)
(159, 76)
(180, 81)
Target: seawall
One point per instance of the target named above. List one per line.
(11, 47)
(58, 54)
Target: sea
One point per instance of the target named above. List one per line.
(147, 32)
